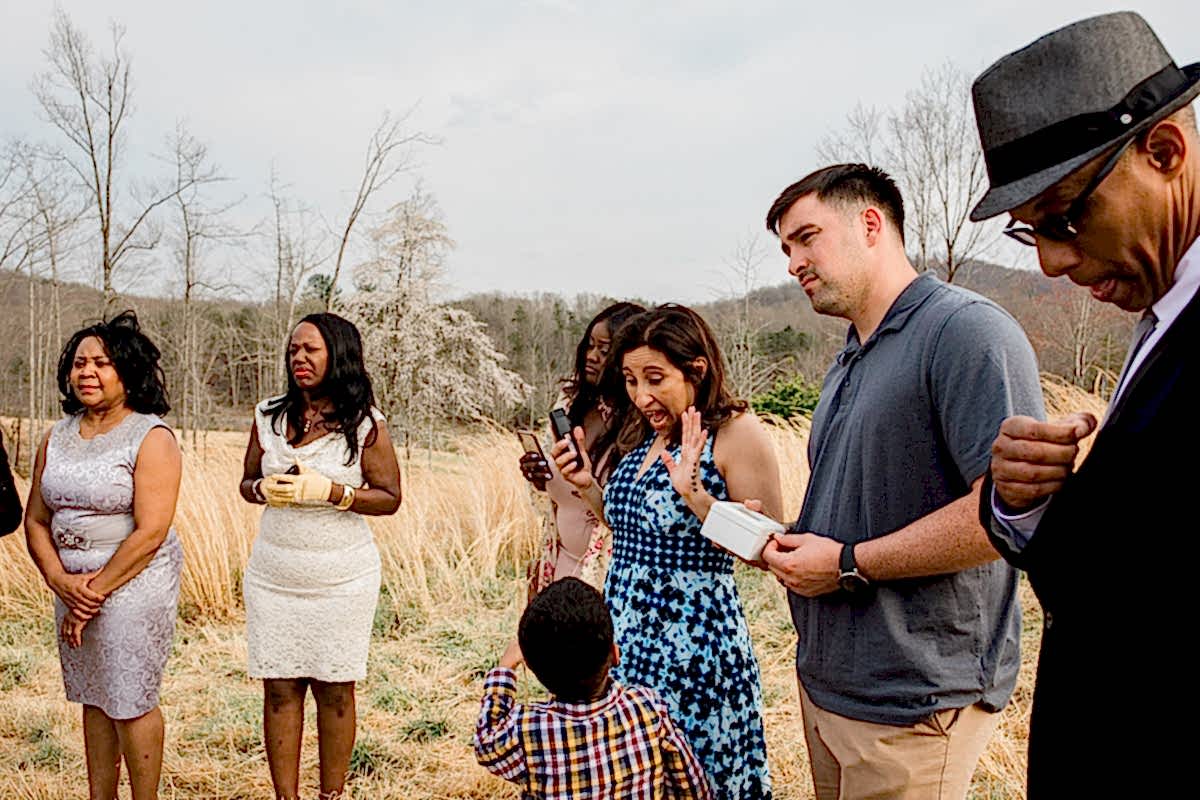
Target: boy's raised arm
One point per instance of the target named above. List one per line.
(497, 734)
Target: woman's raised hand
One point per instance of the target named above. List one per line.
(536, 470)
(564, 455)
(76, 594)
(685, 474)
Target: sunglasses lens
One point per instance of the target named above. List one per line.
(1060, 229)
(1025, 236)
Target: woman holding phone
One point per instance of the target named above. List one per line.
(320, 457)
(677, 618)
(572, 531)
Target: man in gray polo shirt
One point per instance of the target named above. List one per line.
(908, 624)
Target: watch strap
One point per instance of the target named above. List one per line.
(847, 564)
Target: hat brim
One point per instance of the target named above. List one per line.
(1017, 193)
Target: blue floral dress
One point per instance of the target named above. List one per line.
(679, 623)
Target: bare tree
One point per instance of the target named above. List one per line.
(293, 233)
(56, 210)
(88, 98)
(198, 225)
(749, 370)
(16, 221)
(860, 140)
(930, 147)
(36, 215)
(388, 155)
(1078, 338)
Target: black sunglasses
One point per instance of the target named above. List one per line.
(1065, 227)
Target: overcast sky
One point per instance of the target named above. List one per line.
(619, 147)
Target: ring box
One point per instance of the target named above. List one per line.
(739, 530)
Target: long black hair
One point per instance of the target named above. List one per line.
(582, 396)
(134, 357)
(346, 385)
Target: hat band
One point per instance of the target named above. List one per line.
(1062, 141)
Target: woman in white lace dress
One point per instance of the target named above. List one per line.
(99, 530)
(320, 457)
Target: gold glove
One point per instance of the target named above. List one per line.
(276, 493)
(307, 488)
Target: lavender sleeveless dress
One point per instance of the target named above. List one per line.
(88, 486)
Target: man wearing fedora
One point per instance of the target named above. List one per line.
(1092, 149)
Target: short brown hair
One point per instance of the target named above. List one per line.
(844, 183)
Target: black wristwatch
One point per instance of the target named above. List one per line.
(849, 578)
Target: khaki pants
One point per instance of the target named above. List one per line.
(932, 760)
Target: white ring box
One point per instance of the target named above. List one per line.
(739, 530)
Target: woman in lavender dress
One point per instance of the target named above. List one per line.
(99, 530)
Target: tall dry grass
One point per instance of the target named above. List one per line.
(453, 562)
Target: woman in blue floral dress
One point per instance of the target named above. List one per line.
(678, 621)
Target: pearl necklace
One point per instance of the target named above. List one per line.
(308, 423)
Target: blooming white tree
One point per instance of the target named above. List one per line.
(431, 362)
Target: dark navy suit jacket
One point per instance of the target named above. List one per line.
(1113, 563)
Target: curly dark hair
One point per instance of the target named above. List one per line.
(682, 336)
(346, 384)
(134, 357)
(566, 638)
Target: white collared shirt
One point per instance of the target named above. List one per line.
(1020, 528)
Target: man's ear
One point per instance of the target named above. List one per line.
(872, 222)
(616, 655)
(1167, 146)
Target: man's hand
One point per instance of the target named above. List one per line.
(805, 563)
(1031, 460)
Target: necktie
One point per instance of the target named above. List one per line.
(1141, 333)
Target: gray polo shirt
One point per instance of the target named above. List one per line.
(904, 426)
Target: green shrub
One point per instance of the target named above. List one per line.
(788, 398)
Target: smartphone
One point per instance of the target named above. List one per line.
(529, 440)
(561, 425)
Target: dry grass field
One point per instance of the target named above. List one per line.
(453, 567)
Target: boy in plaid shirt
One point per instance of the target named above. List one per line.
(593, 738)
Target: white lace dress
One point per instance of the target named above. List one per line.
(312, 581)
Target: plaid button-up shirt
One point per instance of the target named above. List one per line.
(623, 745)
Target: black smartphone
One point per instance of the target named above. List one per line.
(560, 424)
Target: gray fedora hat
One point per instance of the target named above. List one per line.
(1053, 106)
